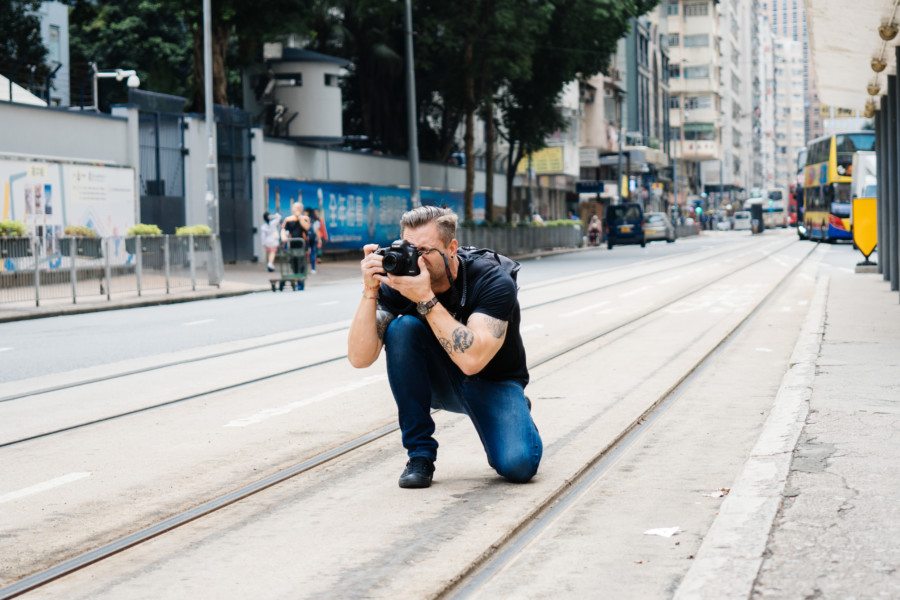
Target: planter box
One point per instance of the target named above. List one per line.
(15, 247)
(84, 246)
(202, 243)
(150, 244)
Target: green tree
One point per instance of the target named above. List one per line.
(22, 52)
(578, 42)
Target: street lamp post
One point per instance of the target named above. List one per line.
(212, 204)
(130, 76)
(411, 108)
(621, 135)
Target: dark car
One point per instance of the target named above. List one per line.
(624, 224)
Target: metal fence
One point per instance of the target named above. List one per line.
(34, 269)
(514, 241)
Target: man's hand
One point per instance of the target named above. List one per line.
(417, 289)
(371, 266)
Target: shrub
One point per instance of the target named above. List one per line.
(142, 229)
(80, 231)
(194, 230)
(12, 229)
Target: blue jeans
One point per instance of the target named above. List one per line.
(422, 376)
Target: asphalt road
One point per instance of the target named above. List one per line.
(59, 344)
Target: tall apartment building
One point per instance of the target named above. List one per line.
(695, 73)
(787, 19)
(630, 102)
(790, 108)
(763, 104)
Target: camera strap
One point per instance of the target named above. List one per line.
(462, 267)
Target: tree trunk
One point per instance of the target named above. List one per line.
(220, 40)
(512, 163)
(469, 140)
(489, 160)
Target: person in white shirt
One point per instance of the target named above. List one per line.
(270, 233)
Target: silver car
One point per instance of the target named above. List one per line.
(658, 227)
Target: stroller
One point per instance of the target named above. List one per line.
(291, 263)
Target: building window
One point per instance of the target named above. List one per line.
(696, 72)
(675, 102)
(53, 51)
(696, 9)
(672, 7)
(674, 39)
(332, 80)
(675, 133)
(695, 102)
(674, 71)
(696, 41)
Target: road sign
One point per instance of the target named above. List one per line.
(863, 217)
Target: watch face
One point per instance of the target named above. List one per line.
(422, 308)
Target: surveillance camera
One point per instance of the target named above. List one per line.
(134, 81)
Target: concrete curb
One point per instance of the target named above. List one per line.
(78, 310)
(732, 551)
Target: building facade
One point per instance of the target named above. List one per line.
(54, 18)
(790, 108)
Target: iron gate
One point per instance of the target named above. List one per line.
(235, 183)
(161, 135)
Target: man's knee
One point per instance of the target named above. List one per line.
(404, 329)
(518, 465)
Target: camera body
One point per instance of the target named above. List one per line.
(400, 258)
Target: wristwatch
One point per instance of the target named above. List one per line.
(425, 307)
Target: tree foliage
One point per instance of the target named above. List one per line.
(22, 52)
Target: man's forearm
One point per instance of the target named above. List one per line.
(465, 347)
(366, 333)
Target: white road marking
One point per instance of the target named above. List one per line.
(43, 487)
(669, 279)
(643, 288)
(584, 309)
(5, 349)
(329, 303)
(200, 322)
(277, 411)
(528, 328)
(763, 349)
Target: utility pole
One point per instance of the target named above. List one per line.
(411, 108)
(212, 203)
(619, 195)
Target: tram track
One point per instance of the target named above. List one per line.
(513, 543)
(344, 327)
(270, 376)
(79, 562)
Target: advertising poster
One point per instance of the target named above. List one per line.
(49, 196)
(356, 214)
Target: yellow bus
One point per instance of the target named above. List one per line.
(827, 180)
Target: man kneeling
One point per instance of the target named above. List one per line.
(451, 336)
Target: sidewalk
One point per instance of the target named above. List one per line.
(814, 512)
(837, 533)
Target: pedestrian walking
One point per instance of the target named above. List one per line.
(294, 232)
(270, 233)
(317, 237)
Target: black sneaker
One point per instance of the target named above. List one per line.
(417, 473)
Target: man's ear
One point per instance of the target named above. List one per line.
(453, 247)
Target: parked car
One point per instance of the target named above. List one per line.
(742, 220)
(624, 224)
(658, 227)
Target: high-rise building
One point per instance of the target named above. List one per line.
(787, 19)
(790, 112)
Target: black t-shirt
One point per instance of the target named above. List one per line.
(486, 288)
(295, 231)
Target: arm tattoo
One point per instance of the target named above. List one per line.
(382, 319)
(496, 326)
(462, 339)
(446, 345)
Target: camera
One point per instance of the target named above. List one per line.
(400, 258)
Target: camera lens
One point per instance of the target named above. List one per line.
(390, 262)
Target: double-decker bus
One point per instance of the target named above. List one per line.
(795, 206)
(827, 180)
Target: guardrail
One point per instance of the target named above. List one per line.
(39, 269)
(513, 241)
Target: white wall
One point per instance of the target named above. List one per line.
(56, 133)
(318, 106)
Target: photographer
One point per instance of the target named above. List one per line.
(451, 336)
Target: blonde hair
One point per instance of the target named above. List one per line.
(445, 219)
